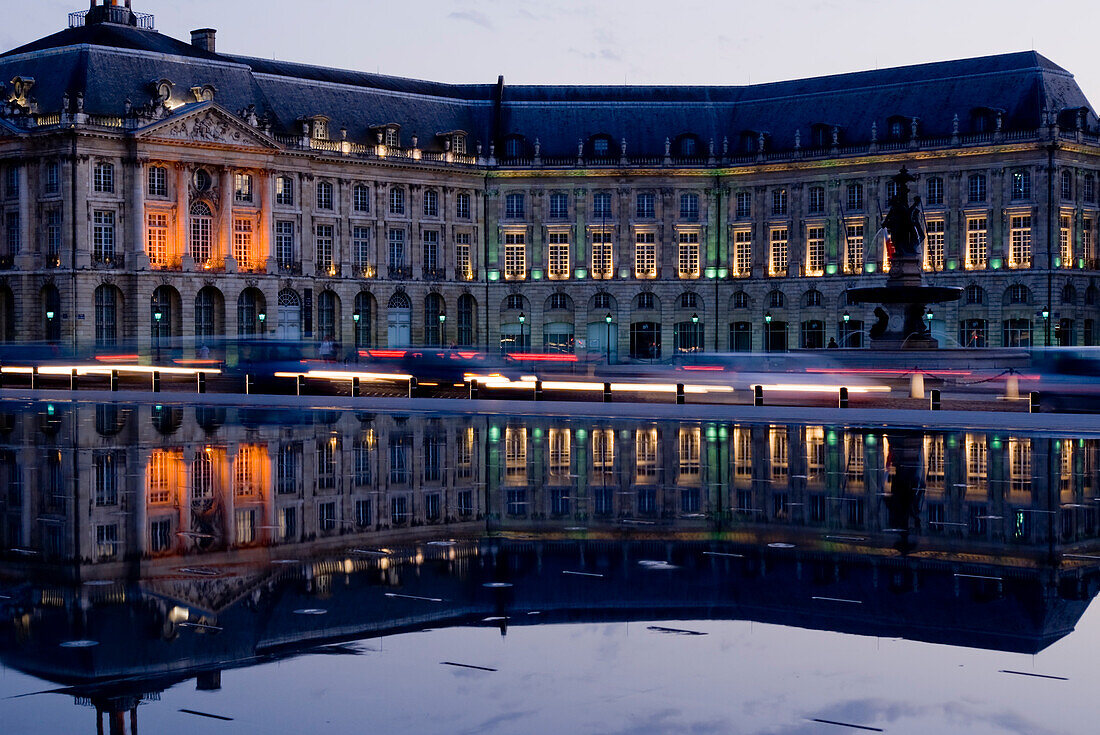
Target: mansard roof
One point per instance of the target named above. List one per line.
(112, 63)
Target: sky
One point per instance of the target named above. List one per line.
(615, 41)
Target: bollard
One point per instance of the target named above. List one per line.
(73, 380)
(842, 401)
(473, 390)
(916, 385)
(1012, 387)
(607, 392)
(1034, 402)
(412, 387)
(934, 402)
(114, 381)
(538, 390)
(680, 398)
(299, 385)
(156, 381)
(200, 382)
(248, 384)
(34, 377)
(2, 378)
(758, 395)
(356, 387)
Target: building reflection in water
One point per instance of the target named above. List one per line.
(183, 541)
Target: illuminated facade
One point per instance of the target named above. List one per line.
(157, 193)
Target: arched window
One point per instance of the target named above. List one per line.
(162, 314)
(741, 300)
(602, 300)
(1069, 294)
(202, 220)
(434, 328)
(399, 300)
(206, 309)
(514, 302)
(250, 304)
(776, 300)
(465, 332)
(645, 301)
(559, 302)
(1092, 296)
(975, 294)
(106, 315)
(812, 298)
(689, 300)
(1018, 294)
(328, 315)
(363, 317)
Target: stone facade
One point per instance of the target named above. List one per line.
(112, 219)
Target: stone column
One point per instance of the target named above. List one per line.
(179, 245)
(265, 253)
(224, 234)
(135, 253)
(24, 259)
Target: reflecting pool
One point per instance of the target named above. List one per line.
(169, 568)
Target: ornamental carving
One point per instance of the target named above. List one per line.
(206, 127)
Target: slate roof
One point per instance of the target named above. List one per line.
(111, 63)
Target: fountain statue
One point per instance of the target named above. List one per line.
(899, 318)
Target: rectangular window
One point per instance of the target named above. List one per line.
(14, 233)
(647, 205)
(52, 176)
(397, 250)
(1065, 240)
(324, 195)
(103, 236)
(324, 247)
(689, 207)
(284, 191)
(158, 181)
(645, 255)
(815, 251)
(160, 535)
(777, 252)
(430, 252)
(688, 256)
(976, 244)
(935, 191)
(744, 205)
(934, 245)
(242, 244)
(1087, 248)
(462, 206)
(559, 206)
(104, 480)
(853, 256)
(976, 188)
(855, 197)
(515, 256)
(602, 259)
(242, 188)
(1021, 185)
(397, 200)
(361, 198)
(106, 540)
(558, 255)
(103, 178)
(326, 516)
(816, 201)
(779, 202)
(360, 244)
(1019, 238)
(514, 206)
(464, 267)
(284, 243)
(53, 236)
(742, 253)
(363, 513)
(431, 203)
(156, 239)
(601, 205)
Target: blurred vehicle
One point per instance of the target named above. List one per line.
(1068, 378)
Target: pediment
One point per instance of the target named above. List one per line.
(206, 123)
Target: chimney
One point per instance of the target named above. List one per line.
(204, 38)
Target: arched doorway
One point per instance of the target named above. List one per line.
(434, 327)
(645, 341)
(250, 307)
(51, 312)
(209, 316)
(107, 302)
(163, 313)
(363, 317)
(399, 320)
(465, 331)
(289, 326)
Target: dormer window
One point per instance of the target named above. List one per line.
(897, 127)
(687, 146)
(599, 146)
(983, 119)
(391, 136)
(458, 143)
(320, 129)
(749, 141)
(514, 146)
(821, 135)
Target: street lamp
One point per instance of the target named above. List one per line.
(1046, 325)
(157, 316)
(262, 317)
(607, 319)
(49, 325)
(522, 319)
(442, 320)
(767, 331)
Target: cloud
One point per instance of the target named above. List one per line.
(473, 16)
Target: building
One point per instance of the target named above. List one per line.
(157, 192)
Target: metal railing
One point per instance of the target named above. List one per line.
(108, 260)
(435, 274)
(289, 267)
(399, 271)
(111, 14)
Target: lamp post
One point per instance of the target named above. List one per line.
(1046, 325)
(767, 331)
(157, 316)
(522, 319)
(262, 317)
(49, 326)
(694, 324)
(608, 319)
(442, 322)
(844, 338)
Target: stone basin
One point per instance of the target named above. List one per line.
(904, 295)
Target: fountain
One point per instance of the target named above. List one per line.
(900, 320)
